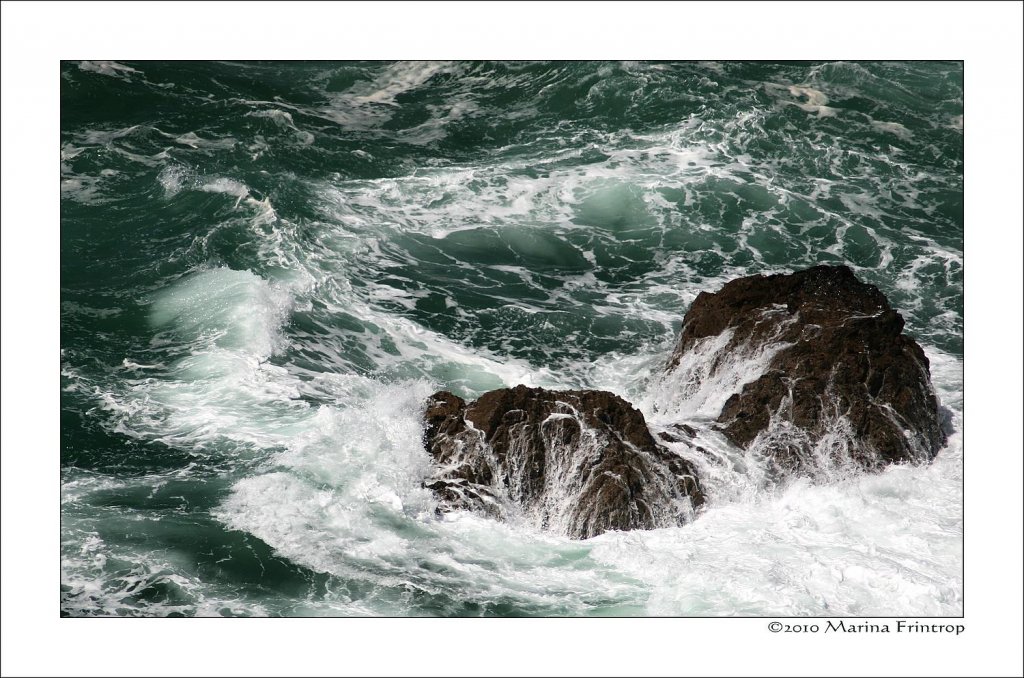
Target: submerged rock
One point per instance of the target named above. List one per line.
(575, 462)
(827, 379)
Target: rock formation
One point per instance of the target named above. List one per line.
(576, 462)
(810, 372)
(842, 385)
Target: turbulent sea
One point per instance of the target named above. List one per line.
(266, 268)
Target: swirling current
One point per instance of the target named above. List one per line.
(266, 268)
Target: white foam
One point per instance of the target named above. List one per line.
(228, 324)
(892, 128)
(234, 309)
(349, 464)
(283, 119)
(807, 98)
(814, 97)
(344, 502)
(279, 117)
(870, 546)
(368, 104)
(225, 185)
(397, 79)
(173, 178)
(193, 140)
(83, 189)
(347, 499)
(69, 151)
(707, 375)
(110, 68)
(434, 129)
(266, 215)
(440, 202)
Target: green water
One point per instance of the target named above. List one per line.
(266, 267)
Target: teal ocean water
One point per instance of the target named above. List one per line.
(267, 267)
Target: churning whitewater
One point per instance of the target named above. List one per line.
(267, 269)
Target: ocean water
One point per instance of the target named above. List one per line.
(267, 267)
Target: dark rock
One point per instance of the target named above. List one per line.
(846, 386)
(679, 433)
(577, 462)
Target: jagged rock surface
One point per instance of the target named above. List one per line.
(576, 462)
(845, 386)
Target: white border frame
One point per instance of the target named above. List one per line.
(35, 36)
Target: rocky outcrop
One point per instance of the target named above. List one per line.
(809, 372)
(575, 462)
(833, 380)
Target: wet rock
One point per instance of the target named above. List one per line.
(839, 383)
(677, 433)
(575, 462)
